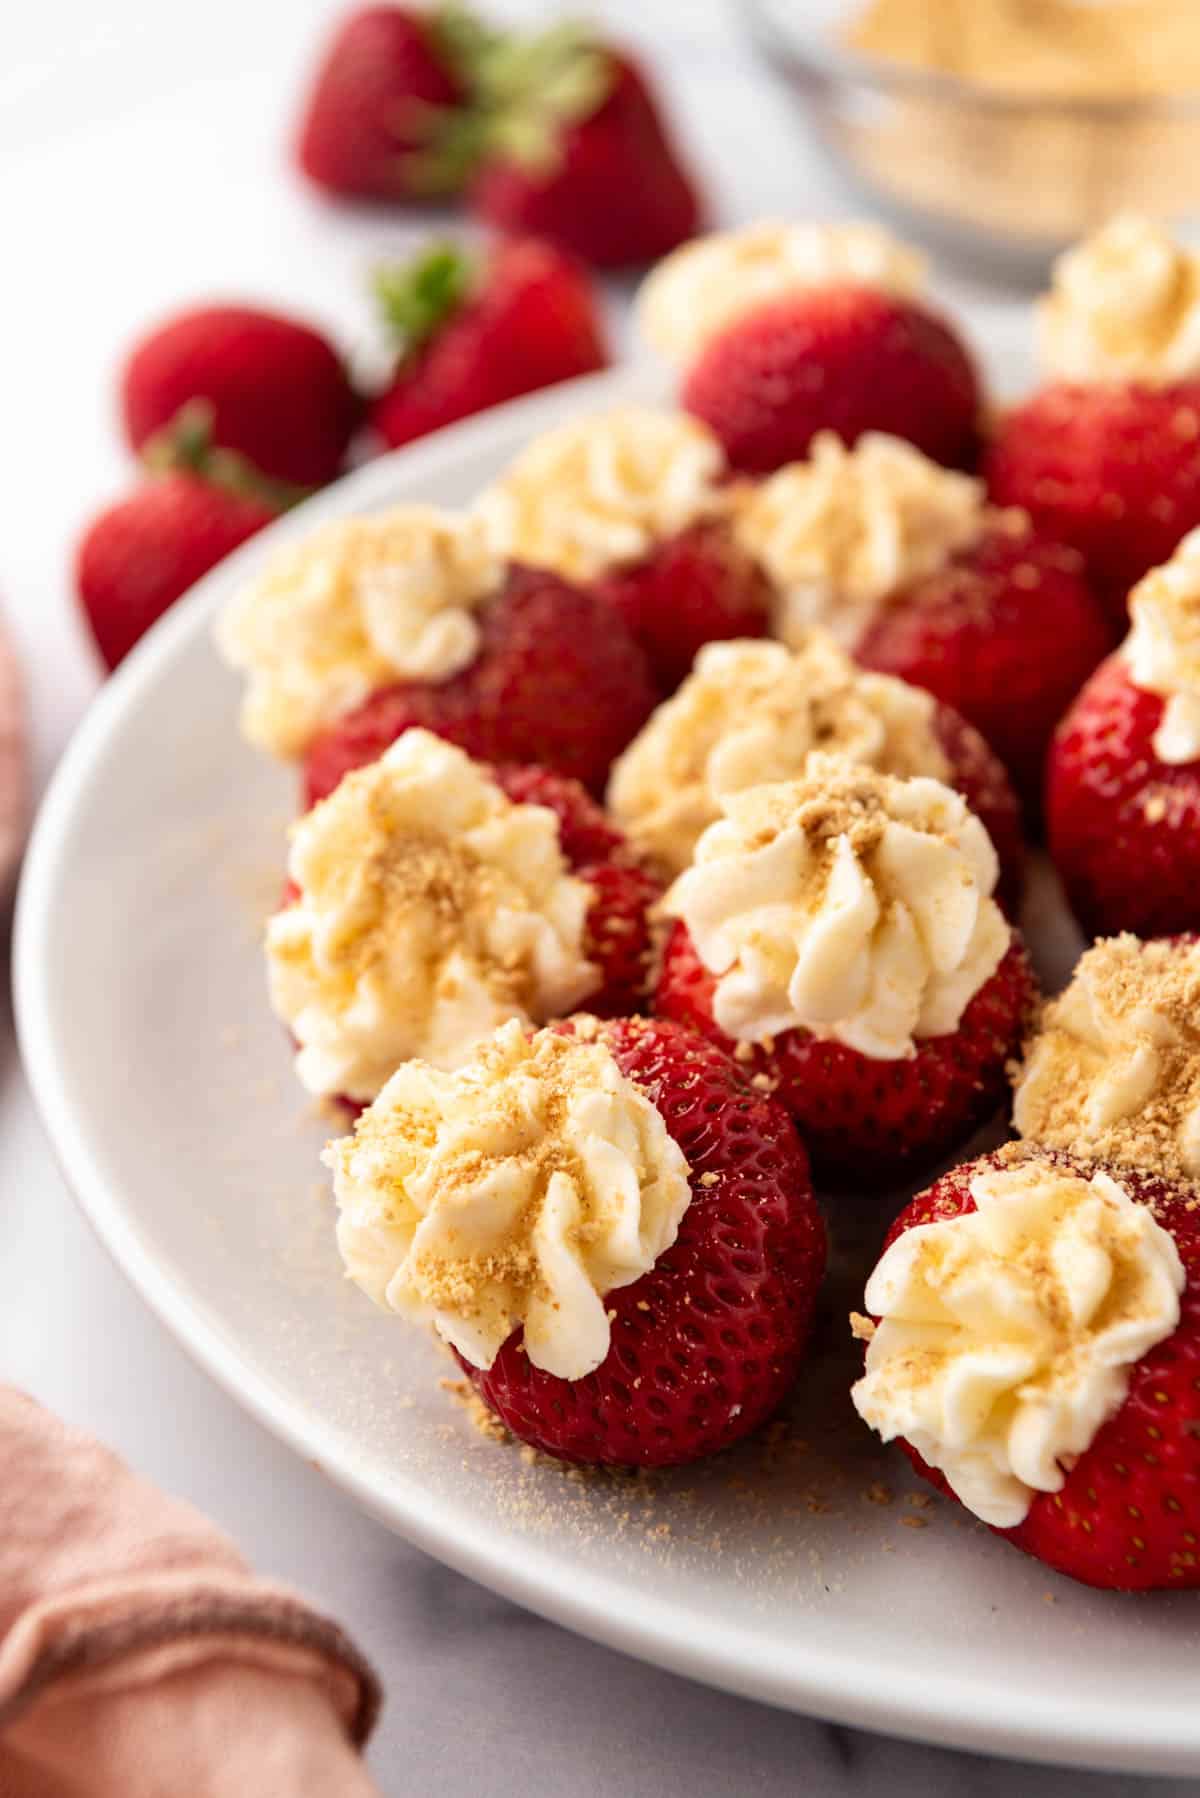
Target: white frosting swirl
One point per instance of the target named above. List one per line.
(840, 532)
(751, 712)
(359, 604)
(431, 909)
(1007, 1334)
(603, 491)
(517, 1191)
(1124, 306)
(847, 903)
(1113, 1071)
(703, 286)
(1163, 649)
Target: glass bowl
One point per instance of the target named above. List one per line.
(1004, 180)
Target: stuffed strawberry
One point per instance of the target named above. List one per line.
(1034, 1344)
(917, 576)
(616, 1235)
(387, 116)
(1111, 1070)
(428, 904)
(635, 503)
(371, 625)
(782, 331)
(751, 712)
(1123, 777)
(1106, 456)
(273, 391)
(142, 553)
(575, 149)
(473, 332)
(838, 936)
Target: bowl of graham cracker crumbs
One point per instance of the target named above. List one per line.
(999, 129)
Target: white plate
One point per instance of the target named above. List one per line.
(166, 1089)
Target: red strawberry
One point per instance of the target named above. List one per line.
(842, 358)
(580, 153)
(473, 334)
(867, 1123)
(384, 118)
(707, 1344)
(141, 554)
(1123, 827)
(1006, 633)
(1128, 1516)
(1112, 470)
(557, 681)
(585, 830)
(266, 387)
(694, 588)
(976, 773)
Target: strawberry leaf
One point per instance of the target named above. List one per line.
(416, 298)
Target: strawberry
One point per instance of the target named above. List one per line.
(1006, 633)
(619, 938)
(578, 152)
(557, 681)
(695, 588)
(475, 332)
(142, 553)
(1128, 1515)
(844, 358)
(1113, 470)
(385, 115)
(585, 830)
(1123, 827)
(979, 776)
(706, 1345)
(269, 389)
(871, 1123)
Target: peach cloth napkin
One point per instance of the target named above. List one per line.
(140, 1657)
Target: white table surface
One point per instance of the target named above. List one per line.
(140, 167)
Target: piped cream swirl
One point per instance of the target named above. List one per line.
(1007, 1334)
(519, 1190)
(846, 903)
(359, 604)
(752, 712)
(1162, 650)
(431, 909)
(1124, 306)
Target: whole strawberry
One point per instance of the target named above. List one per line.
(475, 331)
(707, 1343)
(577, 152)
(384, 119)
(1113, 470)
(142, 553)
(1059, 1353)
(556, 680)
(265, 387)
(1006, 633)
(1106, 456)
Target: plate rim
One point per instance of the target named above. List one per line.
(968, 1715)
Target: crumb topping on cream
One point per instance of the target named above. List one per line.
(431, 909)
(518, 1190)
(1162, 650)
(752, 712)
(847, 903)
(357, 605)
(1124, 306)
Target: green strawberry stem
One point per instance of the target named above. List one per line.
(522, 91)
(416, 298)
(186, 446)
